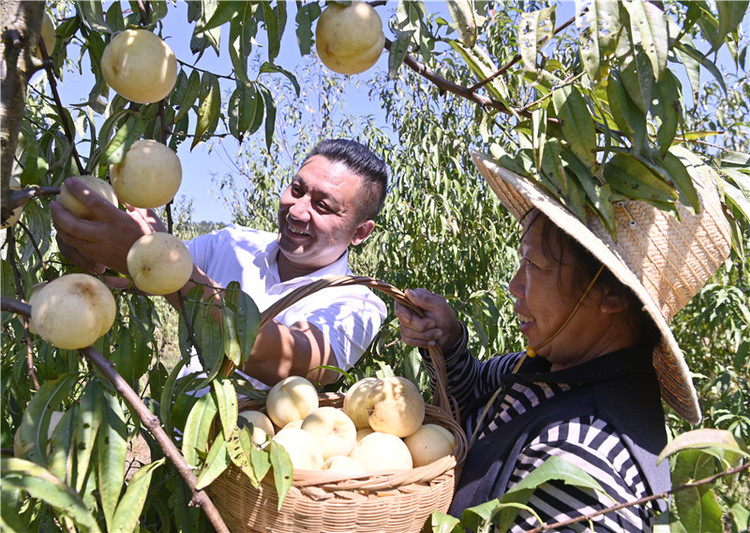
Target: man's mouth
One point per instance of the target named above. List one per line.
(295, 231)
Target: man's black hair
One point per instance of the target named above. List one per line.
(360, 160)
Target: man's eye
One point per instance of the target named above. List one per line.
(324, 207)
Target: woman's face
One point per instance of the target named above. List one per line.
(545, 298)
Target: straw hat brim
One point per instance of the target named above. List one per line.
(519, 195)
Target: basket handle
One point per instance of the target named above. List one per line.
(440, 397)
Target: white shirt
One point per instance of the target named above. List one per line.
(349, 317)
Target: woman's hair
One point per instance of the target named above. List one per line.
(556, 243)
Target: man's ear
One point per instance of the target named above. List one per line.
(363, 231)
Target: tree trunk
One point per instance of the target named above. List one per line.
(21, 26)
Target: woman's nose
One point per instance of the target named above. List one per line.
(516, 284)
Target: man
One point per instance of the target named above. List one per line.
(330, 204)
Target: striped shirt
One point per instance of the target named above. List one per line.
(588, 442)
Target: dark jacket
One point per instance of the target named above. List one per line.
(620, 388)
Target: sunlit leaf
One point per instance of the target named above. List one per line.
(20, 474)
(130, 507)
(89, 420)
(649, 30)
(699, 439)
(209, 107)
(217, 462)
(112, 450)
(282, 470)
(577, 125)
(198, 429)
(462, 12)
(36, 417)
(632, 178)
(536, 27)
(226, 400)
(306, 14)
(398, 51)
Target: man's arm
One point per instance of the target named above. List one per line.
(279, 350)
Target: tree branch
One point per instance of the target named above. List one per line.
(148, 419)
(661, 496)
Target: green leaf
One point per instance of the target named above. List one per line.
(241, 109)
(209, 107)
(697, 506)
(241, 32)
(445, 523)
(36, 417)
(198, 429)
(731, 13)
(116, 149)
(240, 454)
(225, 11)
(246, 318)
(282, 470)
(129, 509)
(216, 463)
(398, 51)
(39, 483)
(275, 22)
(89, 420)
(187, 97)
(270, 113)
(91, 12)
(649, 29)
(709, 65)
(306, 14)
(682, 181)
(699, 439)
(112, 450)
(630, 177)
(226, 400)
(462, 12)
(666, 107)
(629, 118)
(587, 19)
(167, 393)
(578, 127)
(267, 67)
(553, 469)
(535, 27)
(61, 455)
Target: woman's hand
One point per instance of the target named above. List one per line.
(438, 326)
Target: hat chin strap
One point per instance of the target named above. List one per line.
(531, 352)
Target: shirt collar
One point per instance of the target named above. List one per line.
(269, 257)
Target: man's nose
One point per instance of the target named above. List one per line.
(300, 209)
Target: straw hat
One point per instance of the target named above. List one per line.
(663, 259)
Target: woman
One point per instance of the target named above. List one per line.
(600, 355)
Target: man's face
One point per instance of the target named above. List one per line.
(319, 217)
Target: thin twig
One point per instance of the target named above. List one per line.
(19, 292)
(39, 253)
(516, 59)
(149, 420)
(60, 108)
(661, 496)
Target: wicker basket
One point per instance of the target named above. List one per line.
(325, 502)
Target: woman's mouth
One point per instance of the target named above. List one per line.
(524, 322)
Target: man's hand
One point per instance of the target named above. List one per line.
(104, 241)
(439, 325)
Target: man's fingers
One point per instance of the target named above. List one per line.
(97, 204)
